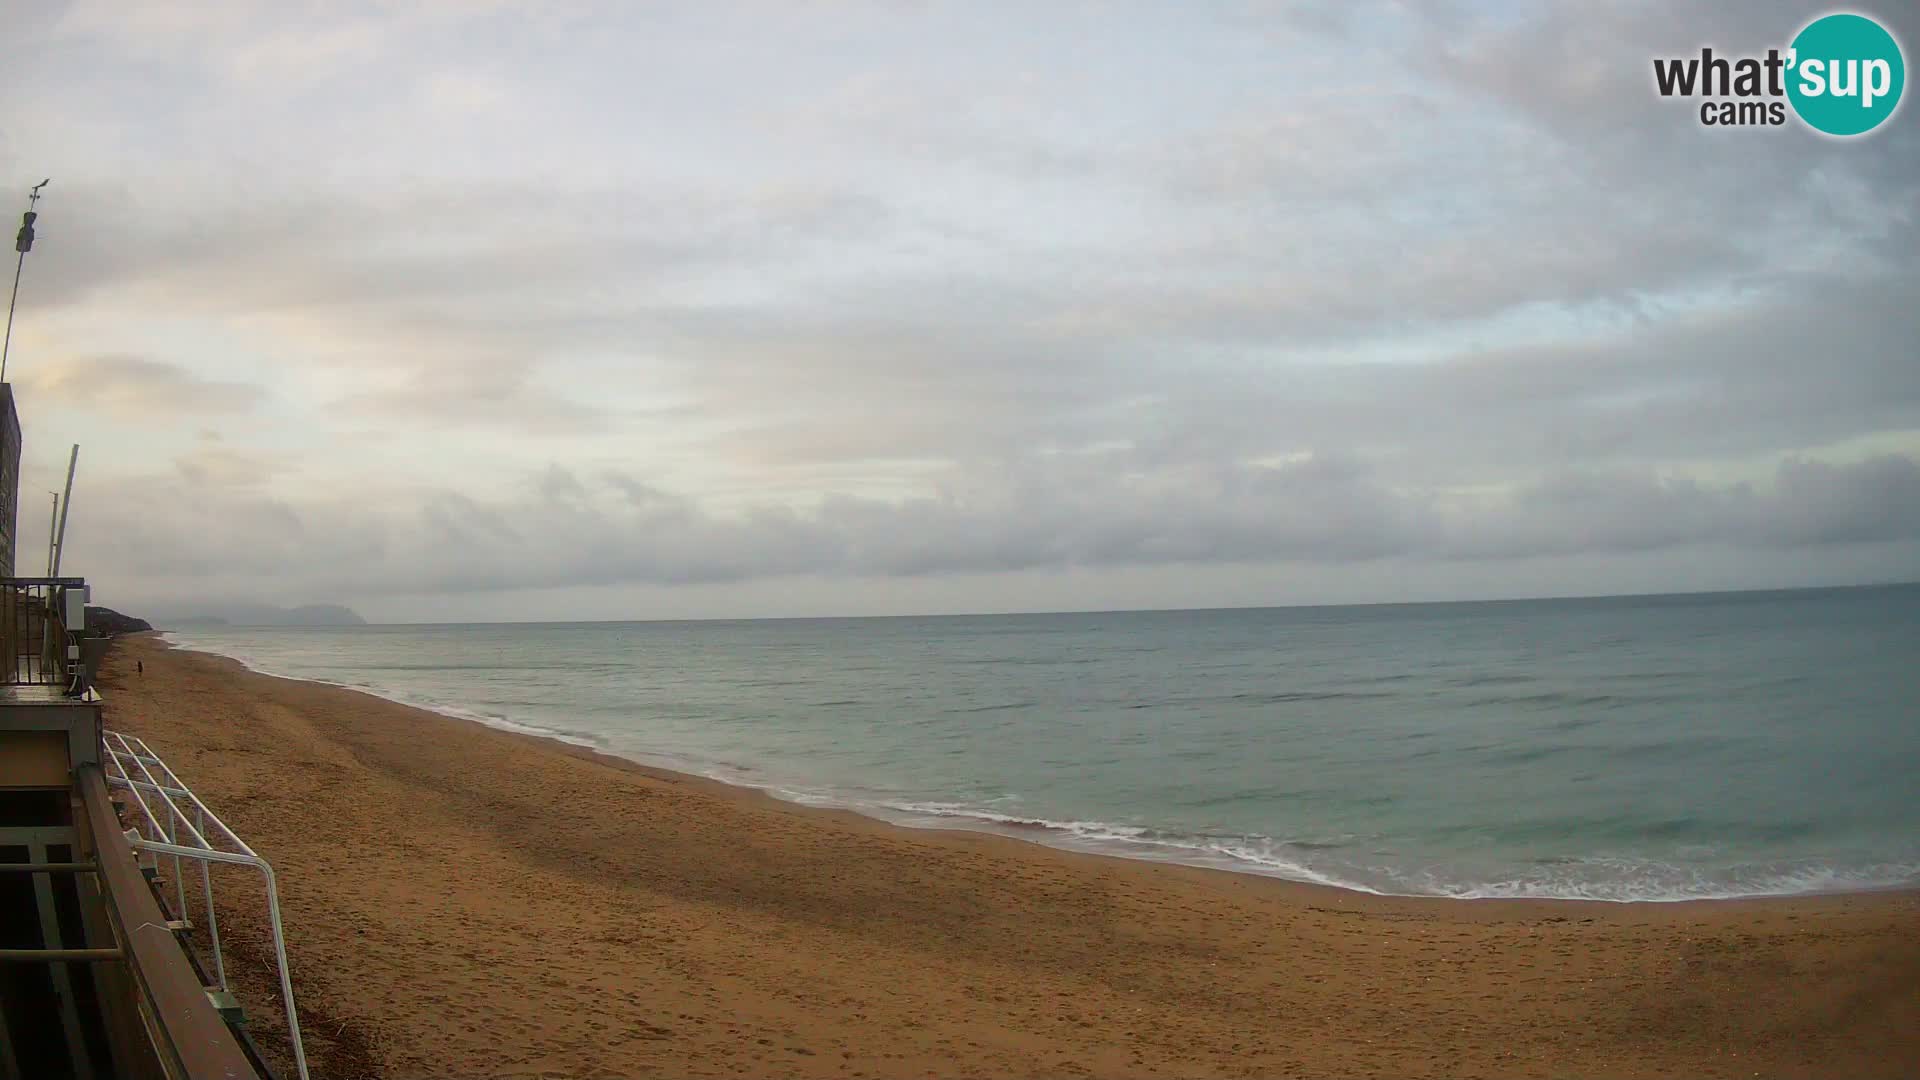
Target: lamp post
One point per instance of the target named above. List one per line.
(22, 243)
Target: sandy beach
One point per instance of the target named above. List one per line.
(465, 902)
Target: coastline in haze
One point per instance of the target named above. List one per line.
(1625, 748)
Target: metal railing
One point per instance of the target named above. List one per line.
(37, 647)
(178, 835)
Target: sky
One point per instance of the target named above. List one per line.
(462, 311)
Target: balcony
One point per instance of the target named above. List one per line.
(98, 975)
(43, 639)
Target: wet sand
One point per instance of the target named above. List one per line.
(465, 902)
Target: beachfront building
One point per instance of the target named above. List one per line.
(100, 976)
(9, 478)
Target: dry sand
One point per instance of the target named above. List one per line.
(463, 902)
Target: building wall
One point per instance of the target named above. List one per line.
(9, 480)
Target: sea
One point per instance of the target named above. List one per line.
(1645, 748)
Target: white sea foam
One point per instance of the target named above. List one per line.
(1632, 880)
(1619, 880)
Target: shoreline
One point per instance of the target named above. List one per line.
(1042, 833)
(462, 900)
(559, 742)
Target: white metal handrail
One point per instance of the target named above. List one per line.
(184, 838)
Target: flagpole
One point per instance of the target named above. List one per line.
(22, 244)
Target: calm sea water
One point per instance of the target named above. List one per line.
(1628, 748)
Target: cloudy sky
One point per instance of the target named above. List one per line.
(470, 310)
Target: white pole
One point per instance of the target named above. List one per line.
(6, 346)
(66, 504)
(53, 521)
(25, 242)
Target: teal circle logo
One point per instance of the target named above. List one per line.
(1845, 74)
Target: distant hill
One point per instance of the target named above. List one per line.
(324, 615)
(265, 615)
(106, 622)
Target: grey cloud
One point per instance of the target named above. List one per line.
(216, 466)
(1788, 371)
(644, 495)
(1061, 513)
(449, 518)
(1811, 504)
(422, 256)
(559, 485)
(486, 390)
(452, 300)
(1820, 503)
(133, 385)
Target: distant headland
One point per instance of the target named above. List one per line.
(106, 622)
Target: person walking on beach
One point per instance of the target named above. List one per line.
(139, 667)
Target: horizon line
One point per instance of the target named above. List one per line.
(215, 620)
